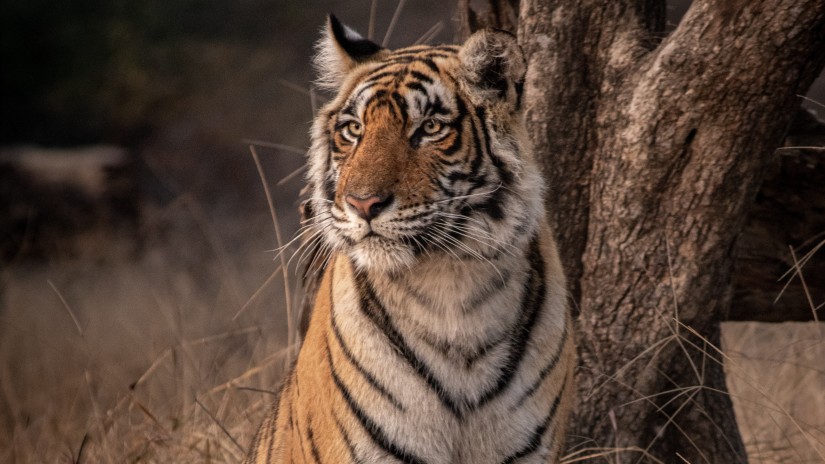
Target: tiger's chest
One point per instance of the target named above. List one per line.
(443, 362)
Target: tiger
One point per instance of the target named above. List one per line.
(441, 331)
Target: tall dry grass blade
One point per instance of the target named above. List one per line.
(804, 285)
(292, 86)
(218, 423)
(251, 371)
(258, 291)
(371, 26)
(67, 307)
(279, 146)
(313, 100)
(83, 443)
(274, 214)
(430, 34)
(394, 20)
(222, 336)
(793, 271)
(682, 458)
(257, 390)
(151, 416)
(291, 175)
(807, 256)
(216, 244)
(675, 328)
(152, 367)
(800, 147)
(811, 100)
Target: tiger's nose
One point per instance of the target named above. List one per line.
(370, 207)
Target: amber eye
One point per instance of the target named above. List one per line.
(353, 130)
(431, 126)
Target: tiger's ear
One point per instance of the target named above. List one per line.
(339, 51)
(493, 68)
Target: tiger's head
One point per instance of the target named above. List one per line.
(422, 153)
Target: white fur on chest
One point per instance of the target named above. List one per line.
(441, 306)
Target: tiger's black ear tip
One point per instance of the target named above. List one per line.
(353, 44)
(333, 21)
(336, 27)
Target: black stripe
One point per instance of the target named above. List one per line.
(531, 305)
(376, 433)
(456, 125)
(554, 360)
(374, 77)
(505, 174)
(493, 206)
(402, 106)
(296, 427)
(496, 284)
(347, 440)
(336, 330)
(470, 360)
(416, 86)
(457, 141)
(376, 312)
(421, 77)
(430, 64)
(312, 446)
(519, 94)
(436, 106)
(538, 433)
(478, 151)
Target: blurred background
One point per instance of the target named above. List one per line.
(143, 314)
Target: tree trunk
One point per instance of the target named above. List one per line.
(654, 147)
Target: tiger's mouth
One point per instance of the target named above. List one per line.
(381, 253)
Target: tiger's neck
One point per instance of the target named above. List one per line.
(452, 304)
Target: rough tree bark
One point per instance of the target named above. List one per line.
(654, 146)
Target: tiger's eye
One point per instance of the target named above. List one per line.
(355, 129)
(431, 126)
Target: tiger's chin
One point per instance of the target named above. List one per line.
(382, 255)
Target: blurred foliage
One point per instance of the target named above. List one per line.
(86, 71)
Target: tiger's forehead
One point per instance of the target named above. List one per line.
(414, 82)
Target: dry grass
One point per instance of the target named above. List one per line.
(140, 359)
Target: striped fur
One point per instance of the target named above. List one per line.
(440, 331)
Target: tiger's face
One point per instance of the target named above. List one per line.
(421, 151)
